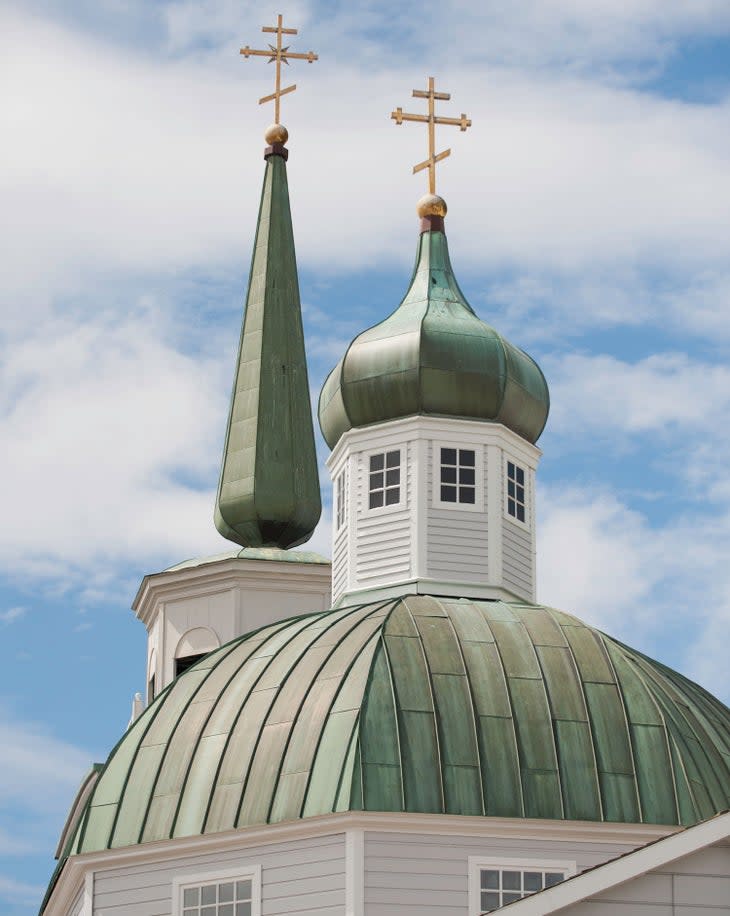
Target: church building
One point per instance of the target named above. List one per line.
(402, 731)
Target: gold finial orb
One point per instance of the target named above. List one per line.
(431, 205)
(276, 133)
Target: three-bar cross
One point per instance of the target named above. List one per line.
(279, 55)
(399, 116)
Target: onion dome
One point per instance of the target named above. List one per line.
(268, 495)
(417, 704)
(433, 355)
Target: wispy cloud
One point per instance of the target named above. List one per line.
(12, 615)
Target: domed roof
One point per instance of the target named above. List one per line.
(433, 355)
(415, 704)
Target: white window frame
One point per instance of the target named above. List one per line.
(479, 863)
(518, 463)
(196, 879)
(478, 505)
(383, 450)
(340, 500)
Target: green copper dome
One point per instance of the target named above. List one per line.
(433, 355)
(415, 704)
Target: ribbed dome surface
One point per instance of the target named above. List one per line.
(417, 704)
(433, 355)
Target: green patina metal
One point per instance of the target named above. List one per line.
(267, 554)
(268, 495)
(433, 355)
(417, 704)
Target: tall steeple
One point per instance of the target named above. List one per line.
(268, 494)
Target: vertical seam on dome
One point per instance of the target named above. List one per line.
(513, 719)
(429, 681)
(473, 709)
(303, 700)
(236, 643)
(672, 695)
(377, 638)
(257, 742)
(629, 736)
(591, 733)
(235, 719)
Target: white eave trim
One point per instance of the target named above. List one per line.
(625, 868)
(76, 866)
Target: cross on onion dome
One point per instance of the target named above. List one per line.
(279, 54)
(399, 116)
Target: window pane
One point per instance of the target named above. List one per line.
(521, 513)
(243, 909)
(448, 475)
(533, 881)
(376, 499)
(448, 456)
(511, 508)
(490, 901)
(208, 910)
(193, 912)
(552, 878)
(490, 879)
(466, 495)
(466, 475)
(225, 909)
(520, 476)
(511, 880)
(392, 477)
(448, 494)
(466, 457)
(392, 459)
(510, 470)
(207, 893)
(510, 487)
(521, 494)
(243, 890)
(376, 481)
(225, 892)
(510, 898)
(376, 462)
(191, 896)
(392, 496)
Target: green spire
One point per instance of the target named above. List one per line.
(268, 494)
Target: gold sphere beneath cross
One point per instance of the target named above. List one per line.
(431, 205)
(276, 133)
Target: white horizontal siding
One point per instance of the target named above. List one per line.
(517, 561)
(406, 875)
(698, 885)
(383, 538)
(456, 545)
(299, 877)
(339, 563)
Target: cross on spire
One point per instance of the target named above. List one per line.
(399, 116)
(279, 55)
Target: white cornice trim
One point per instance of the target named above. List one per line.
(625, 868)
(424, 586)
(428, 426)
(272, 575)
(76, 867)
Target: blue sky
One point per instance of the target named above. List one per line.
(589, 221)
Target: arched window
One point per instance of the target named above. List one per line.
(193, 646)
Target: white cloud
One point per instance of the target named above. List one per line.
(12, 615)
(154, 164)
(610, 566)
(112, 441)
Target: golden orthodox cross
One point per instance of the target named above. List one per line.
(279, 55)
(399, 116)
